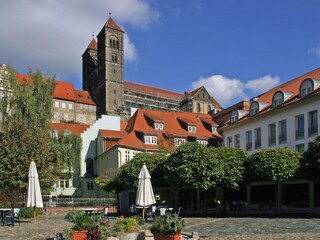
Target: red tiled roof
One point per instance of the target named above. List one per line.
(64, 90)
(139, 125)
(153, 91)
(112, 133)
(83, 96)
(292, 86)
(72, 127)
(93, 44)
(23, 78)
(111, 24)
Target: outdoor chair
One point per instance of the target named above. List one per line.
(105, 213)
(14, 216)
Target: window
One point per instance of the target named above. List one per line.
(202, 142)
(158, 126)
(150, 140)
(90, 185)
(179, 141)
(70, 105)
(272, 134)
(198, 107)
(300, 126)
(66, 117)
(114, 58)
(277, 99)
(249, 140)
(234, 116)
(56, 115)
(237, 140)
(229, 141)
(54, 133)
(283, 131)
(66, 133)
(192, 128)
(254, 108)
(63, 105)
(257, 138)
(127, 155)
(306, 87)
(56, 104)
(89, 166)
(300, 148)
(214, 130)
(313, 123)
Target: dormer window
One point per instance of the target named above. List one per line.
(234, 116)
(150, 140)
(308, 85)
(66, 133)
(277, 99)
(254, 108)
(214, 130)
(158, 126)
(192, 129)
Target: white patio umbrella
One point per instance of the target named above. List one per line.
(34, 198)
(145, 196)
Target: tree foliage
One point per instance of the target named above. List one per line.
(273, 164)
(195, 165)
(310, 164)
(26, 112)
(127, 177)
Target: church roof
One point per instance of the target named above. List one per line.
(112, 24)
(93, 44)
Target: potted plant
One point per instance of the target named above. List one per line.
(167, 227)
(128, 228)
(82, 223)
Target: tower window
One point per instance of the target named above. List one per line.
(114, 58)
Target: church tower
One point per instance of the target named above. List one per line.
(108, 90)
(110, 68)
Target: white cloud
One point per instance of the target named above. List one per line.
(52, 35)
(315, 51)
(262, 84)
(223, 89)
(226, 90)
(130, 51)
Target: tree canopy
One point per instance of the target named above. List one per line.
(26, 111)
(310, 163)
(273, 164)
(195, 165)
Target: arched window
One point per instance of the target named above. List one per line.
(89, 166)
(254, 108)
(306, 87)
(198, 107)
(234, 116)
(277, 99)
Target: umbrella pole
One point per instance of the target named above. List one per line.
(34, 215)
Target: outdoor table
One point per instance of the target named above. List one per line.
(89, 211)
(4, 213)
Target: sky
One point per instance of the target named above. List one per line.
(237, 49)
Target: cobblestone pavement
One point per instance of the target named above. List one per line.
(207, 228)
(255, 228)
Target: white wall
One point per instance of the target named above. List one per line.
(285, 113)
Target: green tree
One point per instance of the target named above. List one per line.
(127, 177)
(310, 164)
(195, 165)
(26, 111)
(274, 164)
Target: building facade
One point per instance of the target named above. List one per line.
(103, 78)
(287, 116)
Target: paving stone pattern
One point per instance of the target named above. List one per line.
(256, 228)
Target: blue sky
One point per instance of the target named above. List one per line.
(236, 49)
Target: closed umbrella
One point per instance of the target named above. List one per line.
(34, 198)
(145, 196)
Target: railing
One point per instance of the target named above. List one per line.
(313, 130)
(299, 133)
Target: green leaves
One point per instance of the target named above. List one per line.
(275, 164)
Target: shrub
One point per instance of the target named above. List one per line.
(27, 212)
(126, 225)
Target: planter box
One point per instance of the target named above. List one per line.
(161, 236)
(80, 235)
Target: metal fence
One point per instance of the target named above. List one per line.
(80, 202)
